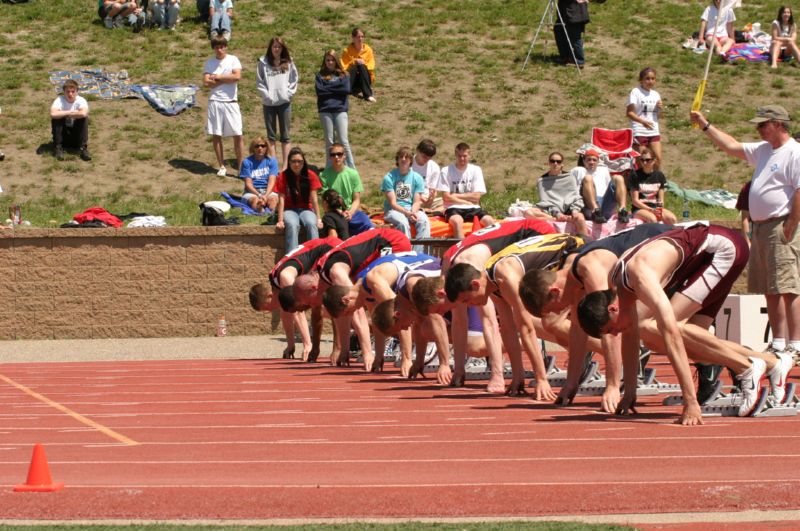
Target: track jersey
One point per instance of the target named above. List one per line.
(422, 269)
(545, 252)
(303, 258)
(500, 235)
(362, 249)
(712, 258)
(620, 242)
(401, 261)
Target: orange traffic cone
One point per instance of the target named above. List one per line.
(476, 224)
(39, 479)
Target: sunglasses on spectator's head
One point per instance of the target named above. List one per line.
(336, 153)
(555, 161)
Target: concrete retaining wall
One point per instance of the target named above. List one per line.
(147, 282)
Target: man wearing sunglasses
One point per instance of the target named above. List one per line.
(559, 196)
(774, 201)
(346, 180)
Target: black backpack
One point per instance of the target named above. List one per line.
(214, 217)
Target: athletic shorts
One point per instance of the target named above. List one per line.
(643, 141)
(724, 259)
(467, 214)
(224, 119)
(774, 263)
(474, 323)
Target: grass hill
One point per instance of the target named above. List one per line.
(447, 70)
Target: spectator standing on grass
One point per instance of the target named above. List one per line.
(347, 182)
(221, 74)
(569, 28)
(721, 32)
(166, 13)
(359, 61)
(774, 205)
(259, 172)
(644, 107)
(647, 186)
(297, 200)
(69, 122)
(743, 206)
(462, 187)
(784, 38)
(403, 189)
(332, 85)
(220, 13)
(276, 82)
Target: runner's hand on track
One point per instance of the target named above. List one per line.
(610, 399)
(517, 388)
(444, 375)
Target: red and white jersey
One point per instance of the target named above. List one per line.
(499, 236)
(303, 258)
(362, 249)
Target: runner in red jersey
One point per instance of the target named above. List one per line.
(358, 252)
(265, 297)
(339, 267)
(497, 237)
(429, 294)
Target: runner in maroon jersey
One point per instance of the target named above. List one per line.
(429, 294)
(265, 297)
(699, 264)
(339, 267)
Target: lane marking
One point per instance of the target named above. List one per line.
(394, 460)
(75, 415)
(424, 485)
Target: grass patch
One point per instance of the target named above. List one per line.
(453, 75)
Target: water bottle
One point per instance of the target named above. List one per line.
(685, 209)
(222, 327)
(16, 215)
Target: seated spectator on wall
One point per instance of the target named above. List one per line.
(559, 196)
(602, 192)
(297, 200)
(424, 164)
(333, 222)
(648, 186)
(462, 187)
(403, 189)
(347, 182)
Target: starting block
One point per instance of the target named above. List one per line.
(727, 404)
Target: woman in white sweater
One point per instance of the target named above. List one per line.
(276, 81)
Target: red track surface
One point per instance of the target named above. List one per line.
(263, 439)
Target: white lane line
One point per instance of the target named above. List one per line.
(532, 459)
(372, 442)
(615, 483)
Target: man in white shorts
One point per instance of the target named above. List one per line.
(221, 74)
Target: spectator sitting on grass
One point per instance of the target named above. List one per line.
(113, 13)
(69, 121)
(166, 13)
(259, 172)
(221, 14)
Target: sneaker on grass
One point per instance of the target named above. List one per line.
(750, 383)
(222, 172)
